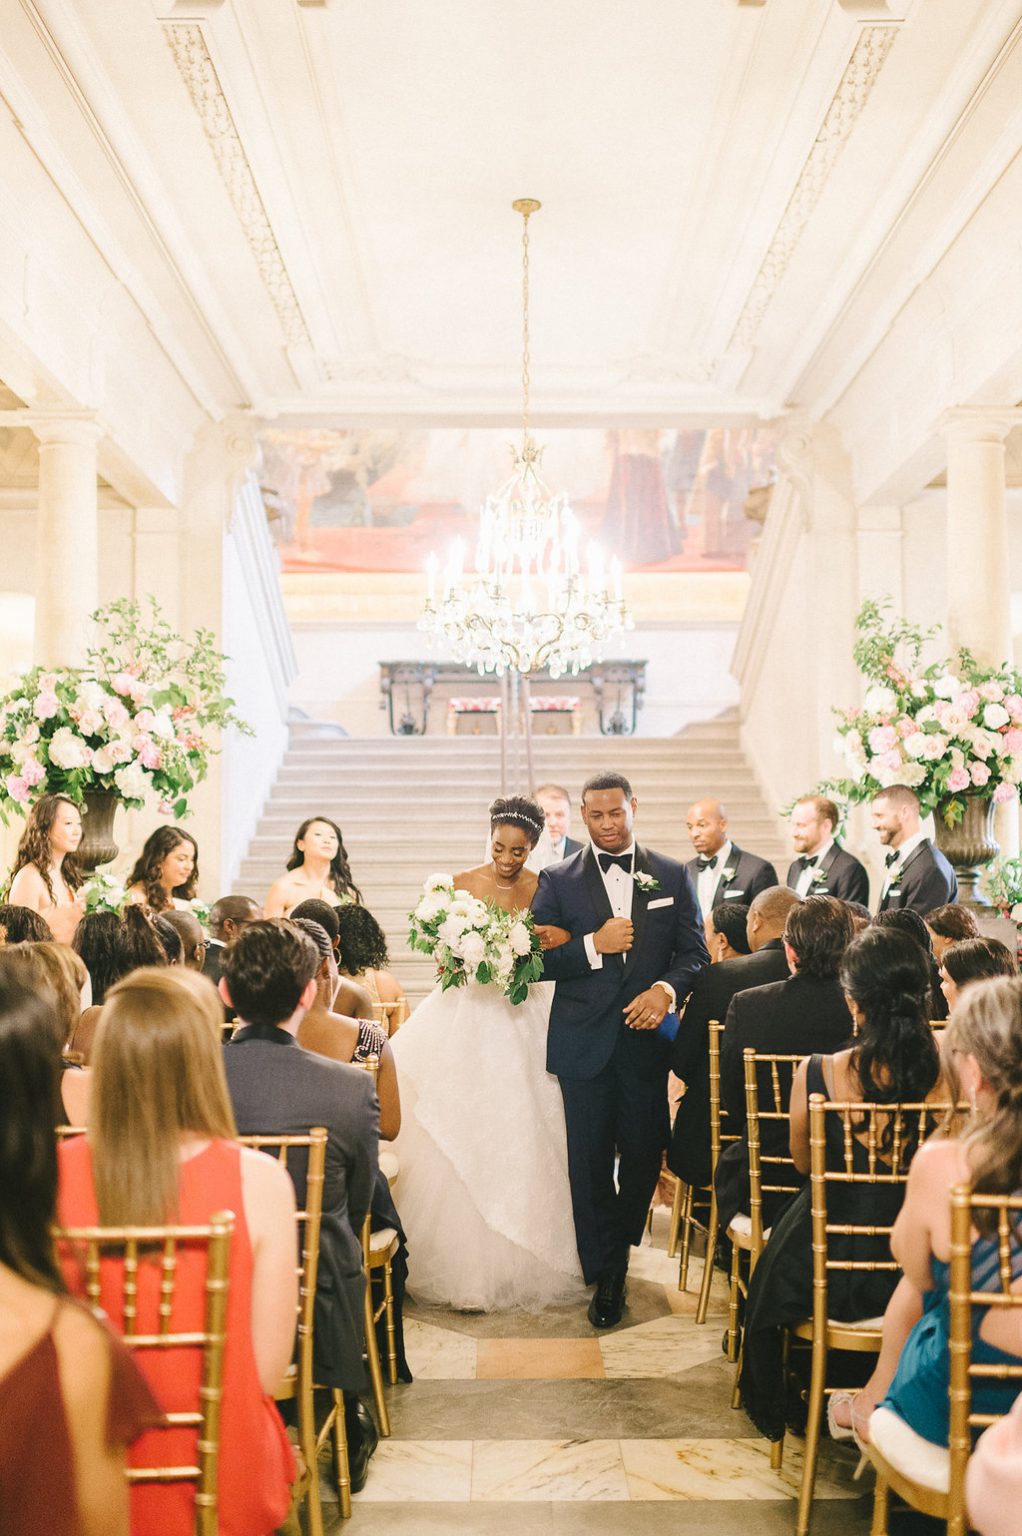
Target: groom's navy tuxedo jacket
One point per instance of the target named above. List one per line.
(586, 1019)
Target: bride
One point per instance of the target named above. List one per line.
(484, 1165)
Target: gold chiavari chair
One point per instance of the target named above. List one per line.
(861, 1131)
(133, 1247)
(719, 1136)
(937, 1486)
(767, 1094)
(379, 1249)
(298, 1385)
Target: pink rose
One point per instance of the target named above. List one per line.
(119, 752)
(882, 738)
(906, 727)
(891, 761)
(17, 788)
(46, 706)
(149, 756)
(980, 774)
(958, 779)
(122, 683)
(33, 772)
(138, 692)
(116, 715)
(1013, 704)
(165, 808)
(1012, 742)
(968, 702)
(144, 720)
(1003, 793)
(90, 722)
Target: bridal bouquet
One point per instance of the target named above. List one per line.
(472, 940)
(948, 730)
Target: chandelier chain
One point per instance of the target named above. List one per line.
(525, 330)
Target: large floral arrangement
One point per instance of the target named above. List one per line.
(473, 940)
(1001, 884)
(949, 730)
(140, 718)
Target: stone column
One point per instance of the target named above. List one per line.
(67, 563)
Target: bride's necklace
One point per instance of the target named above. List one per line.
(500, 887)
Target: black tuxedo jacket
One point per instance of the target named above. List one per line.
(799, 1016)
(689, 1152)
(846, 878)
(751, 875)
(927, 881)
(586, 1017)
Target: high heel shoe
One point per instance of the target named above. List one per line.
(837, 1430)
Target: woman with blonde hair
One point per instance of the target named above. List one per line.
(174, 1159)
(46, 874)
(56, 973)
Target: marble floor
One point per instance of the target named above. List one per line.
(536, 1424)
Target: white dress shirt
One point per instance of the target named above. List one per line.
(620, 888)
(907, 848)
(805, 879)
(707, 880)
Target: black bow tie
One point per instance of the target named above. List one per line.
(892, 858)
(809, 861)
(704, 864)
(622, 860)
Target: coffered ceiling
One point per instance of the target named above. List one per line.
(310, 203)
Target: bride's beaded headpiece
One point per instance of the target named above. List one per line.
(517, 811)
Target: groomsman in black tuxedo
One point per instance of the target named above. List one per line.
(556, 807)
(721, 871)
(918, 876)
(823, 868)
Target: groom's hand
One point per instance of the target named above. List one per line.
(615, 937)
(648, 1010)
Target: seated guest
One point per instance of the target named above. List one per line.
(861, 915)
(174, 1159)
(173, 947)
(946, 925)
(917, 874)
(721, 871)
(806, 1012)
(727, 931)
(189, 930)
(823, 867)
(227, 917)
(973, 960)
(278, 1088)
(982, 1058)
(911, 923)
(56, 974)
(166, 872)
(21, 925)
(893, 1059)
(328, 1032)
(112, 947)
(72, 1397)
(318, 867)
(350, 997)
(362, 958)
(47, 876)
(689, 1153)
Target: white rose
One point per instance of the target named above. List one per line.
(920, 689)
(927, 715)
(912, 774)
(991, 690)
(947, 686)
(1012, 771)
(936, 746)
(881, 701)
(984, 743)
(473, 950)
(887, 776)
(917, 744)
(91, 696)
(132, 781)
(994, 716)
(103, 760)
(68, 750)
(520, 939)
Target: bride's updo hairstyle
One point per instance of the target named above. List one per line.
(517, 811)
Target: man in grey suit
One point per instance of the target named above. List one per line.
(556, 807)
(279, 1089)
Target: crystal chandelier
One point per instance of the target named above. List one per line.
(531, 601)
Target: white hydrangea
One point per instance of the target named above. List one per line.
(913, 774)
(68, 750)
(132, 781)
(451, 930)
(881, 700)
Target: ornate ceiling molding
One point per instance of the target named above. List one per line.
(197, 70)
(860, 76)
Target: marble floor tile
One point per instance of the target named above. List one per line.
(437, 1354)
(559, 1470)
(538, 1359)
(664, 1347)
(646, 1301)
(419, 1471)
(712, 1470)
(722, 1518)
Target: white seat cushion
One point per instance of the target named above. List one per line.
(390, 1167)
(382, 1239)
(908, 1453)
(741, 1225)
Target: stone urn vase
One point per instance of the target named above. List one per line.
(97, 845)
(969, 847)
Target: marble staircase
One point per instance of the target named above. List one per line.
(412, 806)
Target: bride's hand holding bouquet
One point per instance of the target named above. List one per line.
(473, 940)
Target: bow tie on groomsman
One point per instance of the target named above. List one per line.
(809, 861)
(622, 860)
(704, 864)
(893, 857)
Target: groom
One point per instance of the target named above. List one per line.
(637, 945)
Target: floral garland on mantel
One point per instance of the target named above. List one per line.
(140, 718)
(950, 731)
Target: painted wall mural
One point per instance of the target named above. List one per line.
(381, 500)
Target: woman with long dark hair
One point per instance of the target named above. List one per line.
(72, 1399)
(166, 872)
(112, 947)
(46, 874)
(318, 869)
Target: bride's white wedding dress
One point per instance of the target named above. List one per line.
(483, 1188)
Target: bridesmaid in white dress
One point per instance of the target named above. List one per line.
(484, 1166)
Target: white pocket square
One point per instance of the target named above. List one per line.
(735, 891)
(664, 901)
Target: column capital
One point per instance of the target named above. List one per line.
(980, 423)
(55, 425)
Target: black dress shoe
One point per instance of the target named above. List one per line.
(363, 1438)
(608, 1301)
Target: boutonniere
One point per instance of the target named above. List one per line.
(896, 878)
(819, 877)
(647, 883)
(729, 874)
